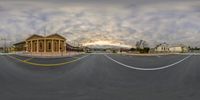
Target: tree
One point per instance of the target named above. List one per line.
(142, 46)
(132, 49)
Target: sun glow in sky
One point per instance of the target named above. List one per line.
(108, 43)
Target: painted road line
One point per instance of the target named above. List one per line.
(148, 69)
(48, 65)
(28, 59)
(73, 57)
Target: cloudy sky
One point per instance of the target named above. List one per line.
(103, 22)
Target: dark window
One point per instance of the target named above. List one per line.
(40, 45)
(49, 45)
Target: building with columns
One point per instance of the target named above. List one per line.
(45, 44)
(51, 45)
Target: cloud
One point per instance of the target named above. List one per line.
(123, 24)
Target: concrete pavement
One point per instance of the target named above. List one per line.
(96, 77)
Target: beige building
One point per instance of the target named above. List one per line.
(45, 44)
(179, 48)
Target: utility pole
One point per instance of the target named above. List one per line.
(1, 39)
(4, 39)
(5, 46)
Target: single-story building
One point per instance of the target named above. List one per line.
(166, 48)
(163, 47)
(45, 44)
(179, 48)
(20, 46)
(42, 44)
(1, 49)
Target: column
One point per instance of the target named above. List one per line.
(52, 46)
(59, 46)
(37, 45)
(31, 46)
(45, 45)
(64, 46)
(26, 46)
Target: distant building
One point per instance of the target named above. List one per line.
(163, 47)
(1, 49)
(6, 50)
(20, 46)
(73, 48)
(179, 48)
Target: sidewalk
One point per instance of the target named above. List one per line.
(49, 55)
(6, 53)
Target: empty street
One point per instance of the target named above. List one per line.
(100, 77)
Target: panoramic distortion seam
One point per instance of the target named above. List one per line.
(48, 65)
(148, 69)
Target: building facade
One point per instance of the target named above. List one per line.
(164, 47)
(45, 44)
(179, 49)
(54, 43)
(20, 46)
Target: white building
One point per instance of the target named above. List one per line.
(179, 48)
(164, 47)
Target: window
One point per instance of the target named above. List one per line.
(40, 45)
(49, 45)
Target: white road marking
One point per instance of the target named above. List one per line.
(148, 69)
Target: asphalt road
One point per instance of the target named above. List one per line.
(96, 77)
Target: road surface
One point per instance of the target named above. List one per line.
(97, 77)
